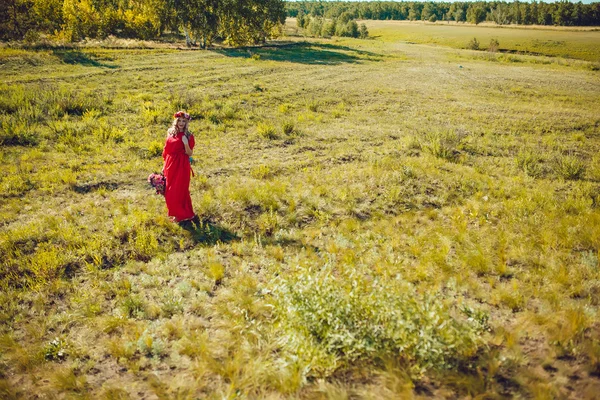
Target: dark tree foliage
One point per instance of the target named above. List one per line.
(237, 22)
(515, 12)
(15, 18)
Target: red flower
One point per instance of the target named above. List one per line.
(181, 114)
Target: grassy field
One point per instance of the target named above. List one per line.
(578, 43)
(381, 219)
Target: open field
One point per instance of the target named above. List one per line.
(381, 220)
(579, 43)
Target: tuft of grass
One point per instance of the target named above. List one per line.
(568, 167)
(284, 108)
(150, 346)
(530, 163)
(155, 149)
(312, 105)
(67, 379)
(134, 306)
(115, 393)
(216, 271)
(288, 128)
(16, 132)
(443, 144)
(262, 172)
(267, 131)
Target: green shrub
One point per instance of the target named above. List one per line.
(16, 132)
(328, 29)
(315, 27)
(356, 318)
(171, 305)
(530, 163)
(568, 167)
(493, 46)
(473, 44)
(363, 32)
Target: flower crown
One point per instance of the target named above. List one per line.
(181, 114)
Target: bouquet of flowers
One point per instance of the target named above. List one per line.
(158, 182)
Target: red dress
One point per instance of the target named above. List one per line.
(177, 172)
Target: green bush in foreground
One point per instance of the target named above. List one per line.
(348, 317)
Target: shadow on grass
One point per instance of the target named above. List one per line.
(77, 57)
(304, 53)
(206, 233)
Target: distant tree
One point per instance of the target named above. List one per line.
(534, 12)
(345, 17)
(204, 21)
(15, 18)
(352, 29)
(563, 13)
(476, 14)
(81, 19)
(249, 21)
(341, 29)
(329, 28)
(363, 32)
(500, 14)
(427, 11)
(47, 14)
(414, 13)
(301, 19)
(517, 16)
(544, 14)
(526, 12)
(577, 16)
(316, 26)
(459, 15)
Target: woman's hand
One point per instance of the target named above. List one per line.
(186, 144)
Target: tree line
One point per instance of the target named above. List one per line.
(236, 22)
(342, 26)
(563, 13)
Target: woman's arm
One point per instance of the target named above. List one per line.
(186, 144)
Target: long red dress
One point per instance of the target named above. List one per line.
(177, 172)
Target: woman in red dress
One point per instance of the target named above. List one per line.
(177, 169)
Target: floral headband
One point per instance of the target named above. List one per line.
(181, 114)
